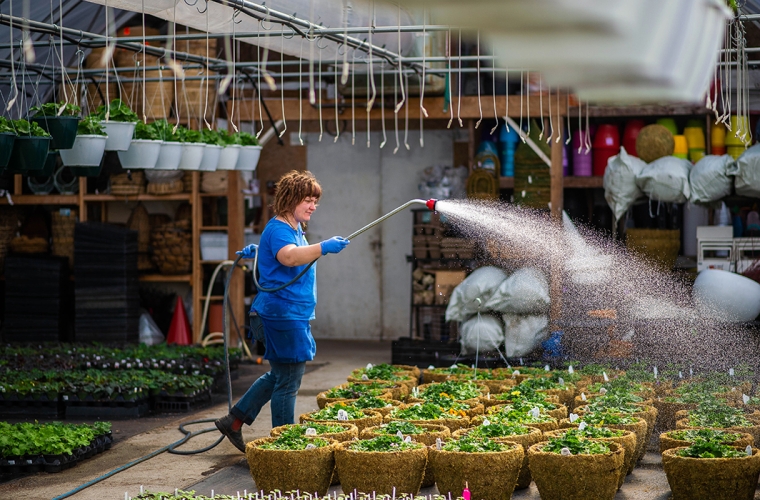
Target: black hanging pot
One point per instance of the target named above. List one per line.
(62, 129)
(6, 146)
(29, 154)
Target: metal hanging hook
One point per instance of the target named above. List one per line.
(204, 10)
(261, 21)
(189, 4)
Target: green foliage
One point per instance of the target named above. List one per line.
(331, 412)
(90, 125)
(713, 435)
(594, 432)
(518, 416)
(383, 444)
(246, 139)
(290, 442)
(602, 418)
(539, 383)
(719, 415)
(452, 389)
(55, 438)
(577, 445)
(228, 139)
(24, 127)
(6, 125)
(710, 449)
(400, 426)
(165, 131)
(300, 429)
(146, 132)
(355, 391)
(211, 137)
(189, 136)
(499, 430)
(424, 411)
(119, 112)
(369, 402)
(382, 371)
(53, 108)
(470, 444)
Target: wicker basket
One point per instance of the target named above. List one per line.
(656, 245)
(158, 95)
(139, 221)
(192, 94)
(160, 188)
(62, 227)
(184, 212)
(172, 247)
(25, 244)
(214, 182)
(187, 182)
(128, 184)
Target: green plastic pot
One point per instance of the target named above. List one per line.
(62, 129)
(6, 146)
(29, 154)
(50, 164)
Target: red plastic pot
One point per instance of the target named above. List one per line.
(606, 144)
(631, 131)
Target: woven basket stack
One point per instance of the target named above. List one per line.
(172, 247)
(128, 183)
(62, 227)
(162, 182)
(139, 221)
(214, 182)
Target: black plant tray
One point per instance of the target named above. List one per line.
(13, 406)
(164, 403)
(11, 468)
(106, 409)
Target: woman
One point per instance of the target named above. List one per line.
(281, 318)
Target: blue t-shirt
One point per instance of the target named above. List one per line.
(285, 313)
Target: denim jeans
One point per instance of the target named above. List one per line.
(280, 385)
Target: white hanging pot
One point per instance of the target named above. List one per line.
(87, 151)
(192, 156)
(249, 158)
(229, 157)
(119, 135)
(169, 156)
(142, 153)
(210, 158)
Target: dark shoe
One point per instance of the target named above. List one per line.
(224, 425)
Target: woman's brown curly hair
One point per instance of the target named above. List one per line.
(292, 188)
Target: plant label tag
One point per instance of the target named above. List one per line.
(488, 396)
(731, 371)
(437, 443)
(561, 381)
(546, 368)
(311, 431)
(583, 396)
(408, 439)
(582, 426)
(654, 369)
(748, 449)
(606, 378)
(365, 377)
(691, 372)
(602, 391)
(310, 446)
(453, 367)
(28, 462)
(515, 373)
(486, 421)
(369, 366)
(65, 397)
(399, 435)
(521, 362)
(680, 375)
(342, 415)
(573, 417)
(565, 452)
(570, 369)
(745, 398)
(472, 366)
(431, 367)
(11, 462)
(534, 412)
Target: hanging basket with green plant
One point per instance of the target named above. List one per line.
(685, 437)
(30, 148)
(60, 120)
(119, 121)
(86, 154)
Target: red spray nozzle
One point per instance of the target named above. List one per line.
(431, 204)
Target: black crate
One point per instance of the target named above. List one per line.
(407, 351)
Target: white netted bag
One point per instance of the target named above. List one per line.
(472, 293)
(666, 179)
(481, 333)
(526, 291)
(620, 188)
(709, 180)
(746, 172)
(523, 334)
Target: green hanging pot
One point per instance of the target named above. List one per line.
(50, 164)
(29, 154)
(62, 129)
(6, 146)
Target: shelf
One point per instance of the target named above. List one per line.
(139, 197)
(648, 110)
(568, 182)
(213, 228)
(42, 199)
(212, 195)
(167, 278)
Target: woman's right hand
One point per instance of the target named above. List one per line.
(334, 245)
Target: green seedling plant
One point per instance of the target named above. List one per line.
(146, 132)
(300, 429)
(576, 445)
(452, 389)
(189, 136)
(401, 426)
(470, 444)
(331, 412)
(229, 139)
(369, 402)
(27, 128)
(211, 137)
(383, 444)
(590, 432)
(710, 449)
(56, 109)
(382, 371)
(246, 139)
(718, 415)
(90, 125)
(496, 429)
(603, 418)
(6, 126)
(713, 435)
(424, 411)
(355, 391)
(119, 112)
(292, 442)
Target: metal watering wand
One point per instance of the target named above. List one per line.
(429, 203)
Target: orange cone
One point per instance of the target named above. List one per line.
(179, 331)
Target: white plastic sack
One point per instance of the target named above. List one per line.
(481, 333)
(620, 188)
(666, 179)
(478, 285)
(526, 291)
(726, 296)
(746, 172)
(150, 333)
(523, 334)
(708, 179)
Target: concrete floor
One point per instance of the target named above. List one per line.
(223, 469)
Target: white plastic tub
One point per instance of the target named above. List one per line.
(142, 153)
(248, 158)
(229, 157)
(210, 158)
(192, 156)
(213, 246)
(169, 156)
(87, 151)
(119, 135)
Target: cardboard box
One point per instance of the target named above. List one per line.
(445, 282)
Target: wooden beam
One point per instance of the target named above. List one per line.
(556, 193)
(246, 111)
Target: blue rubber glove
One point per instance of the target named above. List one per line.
(248, 252)
(334, 245)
